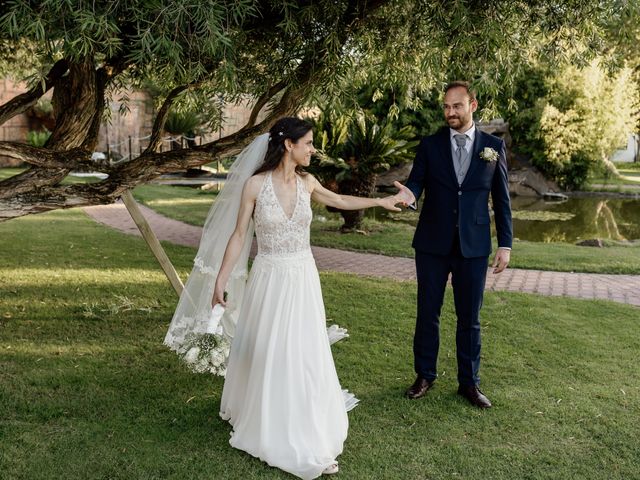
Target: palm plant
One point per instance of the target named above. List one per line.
(37, 138)
(353, 150)
(185, 124)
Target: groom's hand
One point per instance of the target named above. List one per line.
(500, 262)
(404, 195)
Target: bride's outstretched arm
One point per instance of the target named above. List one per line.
(236, 241)
(348, 202)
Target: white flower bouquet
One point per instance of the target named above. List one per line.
(207, 353)
(207, 350)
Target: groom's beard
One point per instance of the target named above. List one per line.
(457, 122)
(454, 122)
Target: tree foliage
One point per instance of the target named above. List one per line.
(278, 52)
(358, 145)
(575, 118)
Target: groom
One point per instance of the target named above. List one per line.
(457, 168)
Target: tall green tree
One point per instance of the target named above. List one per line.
(278, 52)
(572, 119)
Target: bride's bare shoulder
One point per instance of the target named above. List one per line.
(254, 183)
(310, 182)
(257, 178)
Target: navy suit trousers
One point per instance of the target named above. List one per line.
(468, 279)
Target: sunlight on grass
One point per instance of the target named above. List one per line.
(39, 351)
(186, 204)
(8, 172)
(631, 177)
(98, 277)
(182, 201)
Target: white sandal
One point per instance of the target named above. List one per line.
(331, 469)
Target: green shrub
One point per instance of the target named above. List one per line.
(38, 139)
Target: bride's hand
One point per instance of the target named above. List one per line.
(218, 297)
(390, 203)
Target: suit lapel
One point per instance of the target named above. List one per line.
(475, 154)
(447, 155)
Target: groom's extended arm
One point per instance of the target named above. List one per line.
(502, 212)
(415, 182)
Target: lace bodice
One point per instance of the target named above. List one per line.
(277, 234)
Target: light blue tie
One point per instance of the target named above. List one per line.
(461, 141)
(460, 157)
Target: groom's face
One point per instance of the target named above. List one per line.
(459, 108)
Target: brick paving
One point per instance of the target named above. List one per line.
(617, 288)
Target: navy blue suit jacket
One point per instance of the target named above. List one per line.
(446, 204)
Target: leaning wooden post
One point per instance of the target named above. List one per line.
(152, 241)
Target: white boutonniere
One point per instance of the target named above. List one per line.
(488, 154)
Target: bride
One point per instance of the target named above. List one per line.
(281, 392)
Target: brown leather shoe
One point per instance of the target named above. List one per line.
(419, 388)
(474, 395)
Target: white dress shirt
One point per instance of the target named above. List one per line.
(471, 135)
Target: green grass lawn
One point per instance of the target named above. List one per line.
(628, 177)
(628, 182)
(631, 169)
(87, 391)
(186, 204)
(7, 172)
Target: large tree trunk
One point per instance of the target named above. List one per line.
(360, 186)
(75, 102)
(79, 103)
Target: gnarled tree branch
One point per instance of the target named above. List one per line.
(262, 101)
(161, 119)
(150, 164)
(77, 159)
(104, 75)
(22, 102)
(75, 104)
(37, 190)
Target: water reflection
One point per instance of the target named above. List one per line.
(575, 219)
(588, 217)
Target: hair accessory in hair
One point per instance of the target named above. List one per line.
(281, 133)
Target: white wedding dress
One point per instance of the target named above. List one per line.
(281, 392)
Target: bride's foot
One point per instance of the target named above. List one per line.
(331, 469)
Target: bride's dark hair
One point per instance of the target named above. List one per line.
(292, 128)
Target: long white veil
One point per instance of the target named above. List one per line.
(199, 334)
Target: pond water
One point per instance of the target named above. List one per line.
(575, 219)
(578, 218)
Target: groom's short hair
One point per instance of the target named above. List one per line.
(463, 84)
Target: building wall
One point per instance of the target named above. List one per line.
(630, 153)
(129, 127)
(16, 128)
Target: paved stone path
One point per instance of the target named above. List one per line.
(618, 288)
